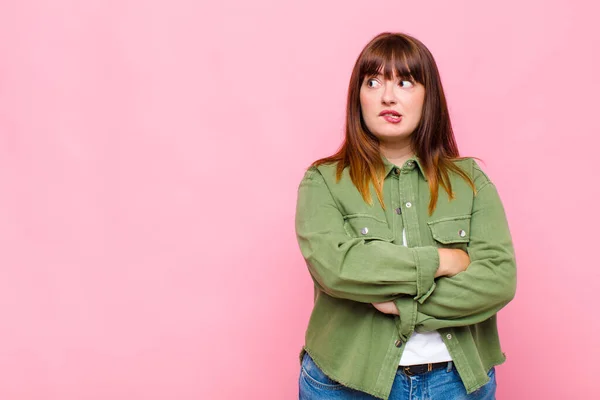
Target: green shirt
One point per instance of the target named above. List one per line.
(355, 255)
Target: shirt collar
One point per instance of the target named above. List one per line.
(389, 167)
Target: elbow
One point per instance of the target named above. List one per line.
(510, 286)
(504, 280)
(332, 284)
(512, 289)
(336, 285)
(329, 281)
(510, 292)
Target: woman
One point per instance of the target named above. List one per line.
(407, 244)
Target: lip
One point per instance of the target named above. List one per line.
(390, 112)
(391, 116)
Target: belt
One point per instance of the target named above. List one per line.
(411, 370)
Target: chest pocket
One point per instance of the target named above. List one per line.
(367, 227)
(451, 232)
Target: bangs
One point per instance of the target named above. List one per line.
(392, 56)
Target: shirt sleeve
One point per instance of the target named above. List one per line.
(488, 284)
(350, 267)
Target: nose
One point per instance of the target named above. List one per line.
(388, 96)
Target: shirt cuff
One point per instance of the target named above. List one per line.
(407, 310)
(427, 261)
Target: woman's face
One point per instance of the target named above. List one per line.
(391, 109)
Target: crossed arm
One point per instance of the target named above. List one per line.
(450, 287)
(487, 284)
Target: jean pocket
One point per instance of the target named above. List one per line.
(316, 377)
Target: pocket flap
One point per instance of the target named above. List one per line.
(367, 227)
(451, 230)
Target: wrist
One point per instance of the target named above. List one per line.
(441, 271)
(443, 267)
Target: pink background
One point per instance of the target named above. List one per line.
(150, 153)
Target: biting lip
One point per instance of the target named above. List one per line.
(390, 113)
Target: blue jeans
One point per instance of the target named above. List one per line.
(439, 384)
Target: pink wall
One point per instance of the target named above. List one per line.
(146, 252)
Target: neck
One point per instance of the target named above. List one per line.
(396, 154)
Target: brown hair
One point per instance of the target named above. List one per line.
(433, 139)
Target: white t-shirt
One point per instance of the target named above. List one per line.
(423, 348)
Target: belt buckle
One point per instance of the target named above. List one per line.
(407, 370)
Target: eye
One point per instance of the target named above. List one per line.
(372, 82)
(406, 84)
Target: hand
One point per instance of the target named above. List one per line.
(388, 307)
(452, 262)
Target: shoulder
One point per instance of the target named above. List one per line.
(324, 173)
(474, 170)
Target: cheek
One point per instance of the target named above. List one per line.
(420, 101)
(364, 108)
(416, 105)
(363, 102)
(366, 104)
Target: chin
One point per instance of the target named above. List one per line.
(391, 135)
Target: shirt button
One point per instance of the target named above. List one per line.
(398, 343)
(397, 171)
(410, 164)
(364, 230)
(398, 211)
(449, 336)
(408, 204)
(462, 233)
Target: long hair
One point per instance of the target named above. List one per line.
(432, 141)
